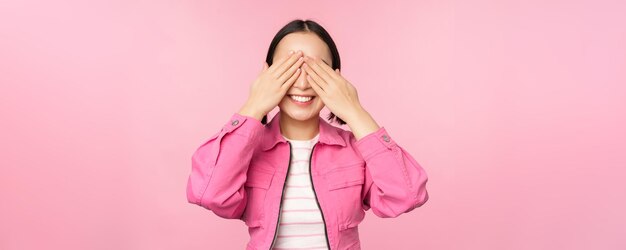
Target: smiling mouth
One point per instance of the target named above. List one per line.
(301, 99)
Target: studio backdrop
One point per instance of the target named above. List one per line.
(515, 109)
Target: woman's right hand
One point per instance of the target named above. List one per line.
(272, 84)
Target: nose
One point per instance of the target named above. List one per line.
(302, 82)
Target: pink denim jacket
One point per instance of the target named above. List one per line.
(240, 172)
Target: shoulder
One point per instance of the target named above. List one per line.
(346, 135)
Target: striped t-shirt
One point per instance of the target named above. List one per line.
(300, 225)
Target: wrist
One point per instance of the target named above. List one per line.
(248, 110)
(362, 124)
(356, 115)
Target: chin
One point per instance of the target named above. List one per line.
(299, 115)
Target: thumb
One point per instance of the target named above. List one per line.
(265, 66)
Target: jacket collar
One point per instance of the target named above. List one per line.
(329, 134)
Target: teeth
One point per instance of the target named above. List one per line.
(301, 98)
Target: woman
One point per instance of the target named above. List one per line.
(298, 182)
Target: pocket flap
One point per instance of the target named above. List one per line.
(345, 177)
(260, 178)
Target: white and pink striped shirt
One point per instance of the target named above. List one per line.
(300, 225)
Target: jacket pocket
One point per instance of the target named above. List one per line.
(259, 179)
(346, 176)
(345, 184)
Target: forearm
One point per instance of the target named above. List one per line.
(250, 110)
(394, 182)
(219, 167)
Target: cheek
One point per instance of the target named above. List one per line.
(283, 101)
(319, 100)
(320, 103)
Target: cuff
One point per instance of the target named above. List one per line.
(243, 125)
(375, 142)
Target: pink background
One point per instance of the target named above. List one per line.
(516, 109)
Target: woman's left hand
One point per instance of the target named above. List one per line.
(339, 95)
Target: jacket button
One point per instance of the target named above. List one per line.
(235, 122)
(385, 138)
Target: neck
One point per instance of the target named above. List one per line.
(299, 130)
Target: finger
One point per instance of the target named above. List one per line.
(316, 87)
(319, 80)
(314, 64)
(326, 68)
(337, 70)
(292, 69)
(286, 65)
(280, 61)
(291, 80)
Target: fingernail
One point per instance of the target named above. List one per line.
(291, 52)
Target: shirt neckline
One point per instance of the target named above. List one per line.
(304, 141)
